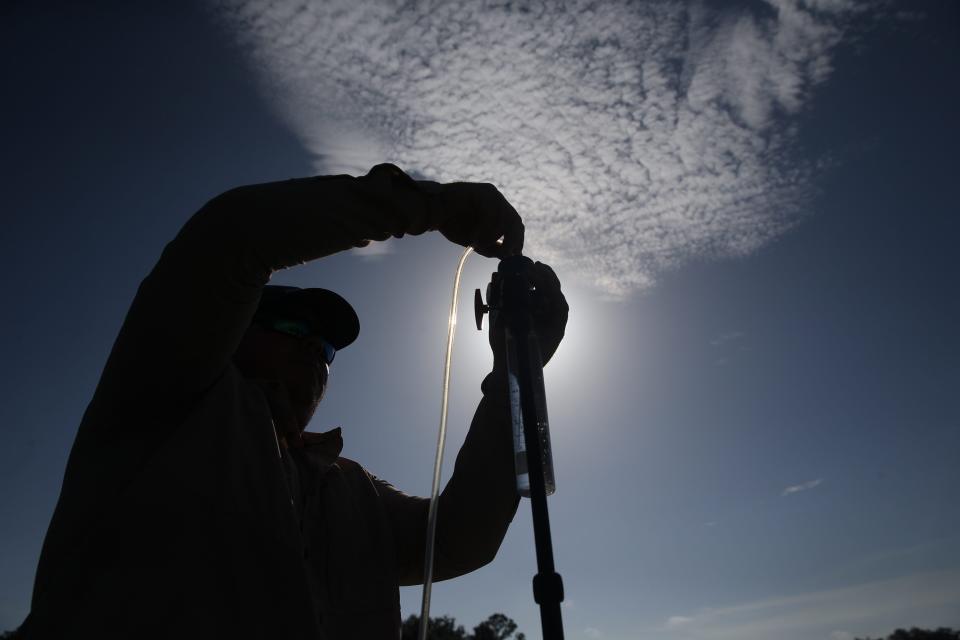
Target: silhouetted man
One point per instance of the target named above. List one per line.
(194, 504)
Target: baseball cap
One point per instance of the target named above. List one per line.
(327, 314)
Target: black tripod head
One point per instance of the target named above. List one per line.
(509, 292)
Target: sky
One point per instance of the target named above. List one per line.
(751, 206)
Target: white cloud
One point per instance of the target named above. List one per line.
(374, 251)
(674, 622)
(631, 136)
(803, 486)
(592, 632)
(841, 635)
(726, 337)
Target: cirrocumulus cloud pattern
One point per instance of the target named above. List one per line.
(631, 136)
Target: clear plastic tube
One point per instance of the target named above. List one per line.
(438, 461)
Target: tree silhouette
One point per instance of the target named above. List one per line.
(496, 627)
(500, 627)
(941, 633)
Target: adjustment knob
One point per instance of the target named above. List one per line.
(479, 308)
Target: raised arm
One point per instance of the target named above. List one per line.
(192, 310)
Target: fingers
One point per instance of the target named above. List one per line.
(485, 237)
(551, 304)
(551, 310)
(547, 286)
(513, 238)
(511, 228)
(499, 238)
(496, 231)
(545, 274)
(477, 215)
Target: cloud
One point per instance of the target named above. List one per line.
(631, 136)
(674, 622)
(928, 599)
(592, 632)
(803, 486)
(726, 337)
(374, 251)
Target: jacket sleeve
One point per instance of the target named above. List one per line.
(192, 310)
(476, 506)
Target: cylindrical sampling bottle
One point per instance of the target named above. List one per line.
(543, 427)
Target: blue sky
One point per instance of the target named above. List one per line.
(752, 208)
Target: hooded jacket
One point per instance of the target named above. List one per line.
(181, 516)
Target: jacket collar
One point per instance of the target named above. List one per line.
(324, 446)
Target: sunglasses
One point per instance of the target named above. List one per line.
(299, 329)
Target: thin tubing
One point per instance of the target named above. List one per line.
(438, 461)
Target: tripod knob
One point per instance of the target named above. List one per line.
(479, 308)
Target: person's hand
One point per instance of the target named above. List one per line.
(475, 215)
(549, 312)
(550, 309)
